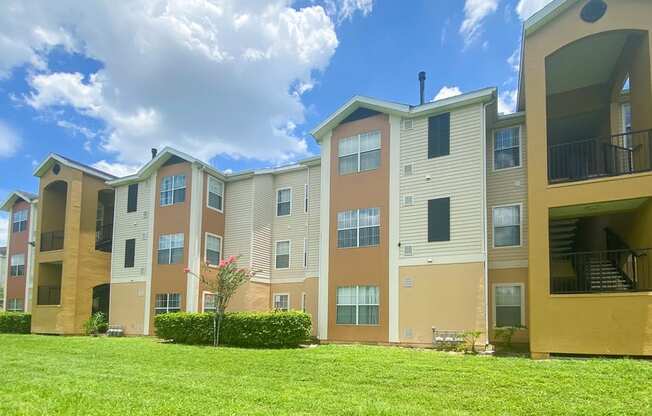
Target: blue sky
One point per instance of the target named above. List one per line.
(237, 83)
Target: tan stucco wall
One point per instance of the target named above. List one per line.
(447, 297)
(497, 276)
(252, 296)
(310, 287)
(364, 265)
(128, 306)
(591, 324)
(83, 266)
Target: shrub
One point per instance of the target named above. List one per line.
(96, 324)
(505, 334)
(239, 329)
(15, 323)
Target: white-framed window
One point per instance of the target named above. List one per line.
(19, 221)
(305, 198)
(282, 302)
(509, 307)
(507, 226)
(213, 249)
(303, 302)
(17, 265)
(507, 148)
(305, 253)
(357, 305)
(210, 302)
(15, 305)
(359, 153)
(170, 248)
(358, 228)
(173, 190)
(283, 202)
(282, 255)
(215, 194)
(167, 302)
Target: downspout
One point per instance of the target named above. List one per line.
(485, 243)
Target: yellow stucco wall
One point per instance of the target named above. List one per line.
(446, 296)
(309, 287)
(498, 276)
(127, 307)
(590, 324)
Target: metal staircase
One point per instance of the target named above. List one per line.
(602, 275)
(562, 236)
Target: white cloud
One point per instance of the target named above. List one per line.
(514, 59)
(526, 8)
(343, 10)
(446, 92)
(116, 169)
(10, 141)
(4, 229)
(475, 11)
(507, 101)
(211, 78)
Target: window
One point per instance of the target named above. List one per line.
(359, 153)
(439, 132)
(15, 305)
(507, 148)
(439, 221)
(173, 190)
(19, 221)
(282, 254)
(167, 302)
(281, 302)
(132, 197)
(215, 193)
(507, 226)
(358, 228)
(626, 110)
(17, 265)
(130, 252)
(283, 202)
(508, 305)
(305, 198)
(305, 253)
(213, 253)
(303, 302)
(210, 302)
(357, 305)
(170, 248)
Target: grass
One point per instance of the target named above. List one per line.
(127, 376)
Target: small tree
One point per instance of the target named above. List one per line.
(223, 281)
(96, 324)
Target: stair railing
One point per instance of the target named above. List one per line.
(620, 252)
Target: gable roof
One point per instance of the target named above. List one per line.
(402, 110)
(54, 158)
(11, 199)
(154, 164)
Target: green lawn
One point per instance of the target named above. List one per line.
(125, 376)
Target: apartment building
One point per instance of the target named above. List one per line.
(18, 267)
(3, 275)
(442, 216)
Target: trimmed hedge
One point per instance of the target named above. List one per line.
(15, 323)
(238, 329)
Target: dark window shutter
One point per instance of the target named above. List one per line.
(439, 221)
(439, 135)
(130, 252)
(132, 198)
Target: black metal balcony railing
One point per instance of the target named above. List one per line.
(624, 270)
(51, 240)
(615, 155)
(104, 237)
(48, 295)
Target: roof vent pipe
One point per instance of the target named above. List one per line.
(154, 151)
(422, 85)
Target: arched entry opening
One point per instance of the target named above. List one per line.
(101, 294)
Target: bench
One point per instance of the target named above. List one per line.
(447, 338)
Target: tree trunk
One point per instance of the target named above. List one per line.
(218, 317)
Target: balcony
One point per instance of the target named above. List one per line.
(615, 155)
(52, 240)
(104, 237)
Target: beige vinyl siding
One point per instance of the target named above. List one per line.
(458, 176)
(238, 214)
(293, 227)
(262, 225)
(507, 187)
(313, 221)
(128, 225)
